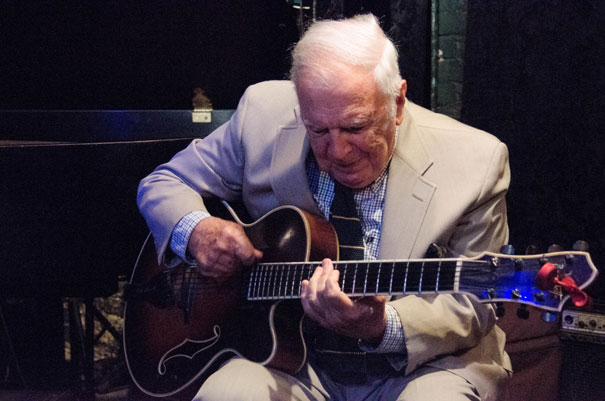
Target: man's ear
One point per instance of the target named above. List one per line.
(403, 89)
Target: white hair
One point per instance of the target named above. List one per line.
(359, 42)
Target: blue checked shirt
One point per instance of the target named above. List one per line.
(370, 206)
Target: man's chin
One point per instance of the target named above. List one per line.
(351, 181)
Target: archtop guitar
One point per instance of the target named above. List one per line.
(179, 326)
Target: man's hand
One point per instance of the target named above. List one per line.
(325, 303)
(221, 248)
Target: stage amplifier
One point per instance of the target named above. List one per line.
(583, 326)
(583, 335)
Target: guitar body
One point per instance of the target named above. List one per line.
(179, 326)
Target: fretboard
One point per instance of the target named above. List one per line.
(275, 281)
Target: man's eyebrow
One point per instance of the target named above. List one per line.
(362, 119)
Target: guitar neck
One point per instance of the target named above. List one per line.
(276, 281)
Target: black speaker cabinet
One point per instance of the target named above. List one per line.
(583, 373)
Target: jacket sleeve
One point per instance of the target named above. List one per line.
(209, 167)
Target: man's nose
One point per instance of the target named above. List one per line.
(340, 146)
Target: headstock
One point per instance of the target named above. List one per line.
(545, 281)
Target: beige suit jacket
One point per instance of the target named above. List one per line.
(447, 184)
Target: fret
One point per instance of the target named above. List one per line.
(261, 281)
(359, 282)
(447, 277)
(259, 277)
(399, 272)
(251, 281)
(378, 278)
(309, 269)
(391, 279)
(405, 280)
(384, 279)
(344, 279)
(286, 283)
(420, 278)
(430, 277)
(413, 277)
(354, 280)
(365, 280)
(269, 282)
(281, 278)
(266, 277)
(302, 273)
(268, 285)
(254, 280)
(257, 282)
(293, 281)
(299, 269)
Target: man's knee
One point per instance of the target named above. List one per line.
(241, 380)
(237, 379)
(439, 384)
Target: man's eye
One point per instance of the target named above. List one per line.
(318, 131)
(353, 130)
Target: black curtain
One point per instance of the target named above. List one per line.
(534, 77)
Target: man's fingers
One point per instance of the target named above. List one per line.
(221, 248)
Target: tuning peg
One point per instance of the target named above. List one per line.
(531, 250)
(507, 249)
(549, 317)
(580, 245)
(523, 312)
(500, 309)
(555, 248)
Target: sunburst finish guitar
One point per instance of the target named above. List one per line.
(179, 326)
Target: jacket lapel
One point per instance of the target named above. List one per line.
(408, 193)
(288, 172)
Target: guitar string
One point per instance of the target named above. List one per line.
(196, 289)
(202, 290)
(198, 284)
(268, 276)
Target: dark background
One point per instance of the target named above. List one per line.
(534, 76)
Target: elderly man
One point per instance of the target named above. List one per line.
(343, 124)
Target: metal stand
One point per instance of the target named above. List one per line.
(12, 360)
(83, 341)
